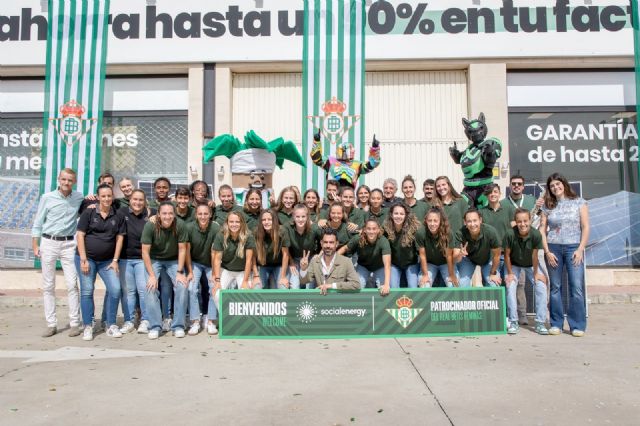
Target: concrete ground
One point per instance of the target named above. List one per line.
(522, 379)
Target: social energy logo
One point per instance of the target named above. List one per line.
(306, 312)
(404, 314)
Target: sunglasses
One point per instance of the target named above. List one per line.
(517, 183)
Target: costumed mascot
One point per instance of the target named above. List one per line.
(342, 167)
(477, 160)
(252, 162)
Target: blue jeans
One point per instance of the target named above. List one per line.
(540, 294)
(194, 293)
(364, 275)
(134, 285)
(466, 268)
(294, 279)
(411, 272)
(166, 291)
(152, 297)
(267, 273)
(443, 270)
(576, 314)
(87, 285)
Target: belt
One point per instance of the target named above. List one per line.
(54, 238)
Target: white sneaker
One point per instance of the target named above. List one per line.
(143, 328)
(127, 327)
(195, 328)
(114, 331)
(154, 334)
(87, 334)
(178, 332)
(166, 324)
(211, 328)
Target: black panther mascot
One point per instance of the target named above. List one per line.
(477, 160)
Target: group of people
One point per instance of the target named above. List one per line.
(166, 258)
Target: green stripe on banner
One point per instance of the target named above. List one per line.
(333, 64)
(75, 72)
(635, 11)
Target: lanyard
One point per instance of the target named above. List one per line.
(514, 203)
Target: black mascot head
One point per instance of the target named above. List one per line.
(476, 130)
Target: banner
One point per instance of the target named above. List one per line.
(286, 314)
(74, 88)
(332, 80)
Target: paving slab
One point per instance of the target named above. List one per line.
(523, 379)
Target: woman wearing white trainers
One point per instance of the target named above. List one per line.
(132, 272)
(164, 249)
(566, 215)
(232, 259)
(99, 236)
(201, 234)
(521, 245)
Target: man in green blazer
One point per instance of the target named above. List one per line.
(329, 269)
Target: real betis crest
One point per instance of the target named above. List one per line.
(71, 126)
(334, 123)
(404, 314)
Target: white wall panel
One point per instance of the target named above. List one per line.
(416, 116)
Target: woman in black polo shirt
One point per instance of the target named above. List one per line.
(100, 235)
(374, 255)
(132, 273)
(272, 251)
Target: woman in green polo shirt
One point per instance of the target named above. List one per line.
(477, 244)
(402, 229)
(437, 246)
(272, 252)
(164, 250)
(337, 219)
(362, 197)
(233, 250)
(304, 238)
(419, 208)
(252, 208)
(287, 200)
(374, 255)
(376, 198)
(311, 199)
(452, 203)
(201, 234)
(521, 245)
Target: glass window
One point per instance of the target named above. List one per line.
(14, 253)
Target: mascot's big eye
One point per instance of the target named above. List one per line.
(475, 125)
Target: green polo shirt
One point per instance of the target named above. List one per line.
(122, 202)
(313, 216)
(201, 242)
(369, 255)
(499, 219)
(284, 217)
(164, 244)
(526, 202)
(308, 241)
(430, 245)
(251, 219)
(429, 204)
(189, 216)
(455, 213)
(220, 214)
(380, 217)
(479, 250)
(356, 215)
(276, 260)
(230, 261)
(419, 210)
(522, 247)
(405, 256)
